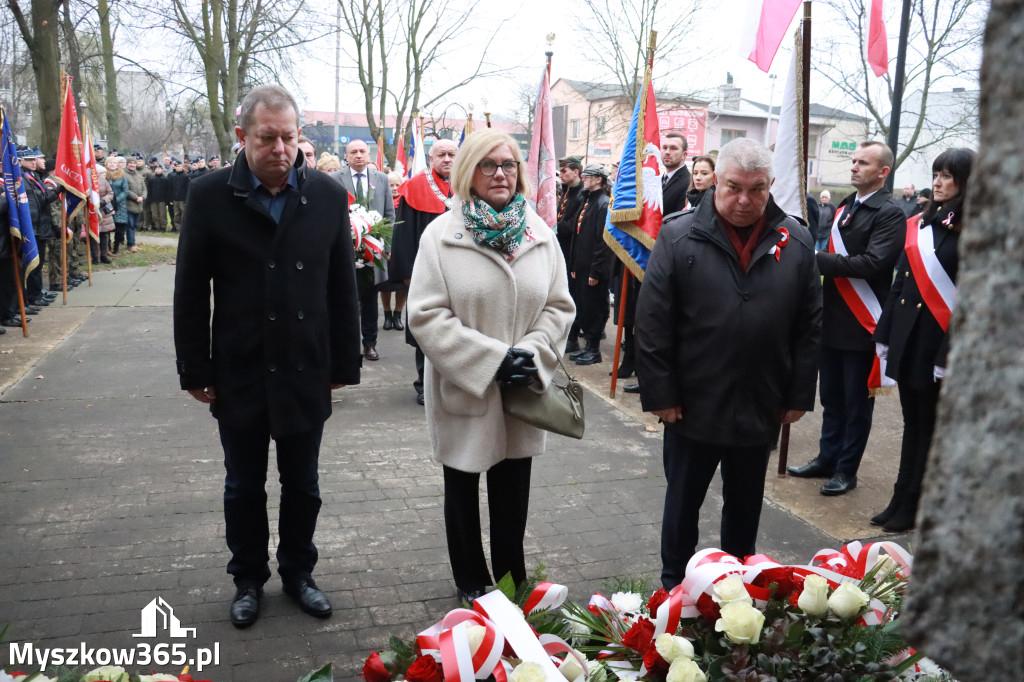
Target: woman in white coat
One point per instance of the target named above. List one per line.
(488, 304)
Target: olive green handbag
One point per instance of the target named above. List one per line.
(559, 409)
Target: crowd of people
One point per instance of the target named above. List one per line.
(744, 317)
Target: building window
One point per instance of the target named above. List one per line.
(812, 145)
(730, 135)
(599, 126)
(574, 129)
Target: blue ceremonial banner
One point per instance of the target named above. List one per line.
(17, 199)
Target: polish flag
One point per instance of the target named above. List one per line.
(540, 165)
(767, 24)
(876, 42)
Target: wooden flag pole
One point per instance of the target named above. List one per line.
(64, 208)
(16, 253)
(88, 201)
(619, 326)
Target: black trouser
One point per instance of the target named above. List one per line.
(508, 500)
(591, 308)
(34, 284)
(689, 467)
(919, 408)
(367, 311)
(119, 232)
(8, 288)
(847, 408)
(245, 502)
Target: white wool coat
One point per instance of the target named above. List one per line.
(466, 307)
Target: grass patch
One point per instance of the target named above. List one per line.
(147, 255)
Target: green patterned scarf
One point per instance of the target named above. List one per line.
(502, 231)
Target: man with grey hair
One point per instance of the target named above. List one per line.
(273, 236)
(728, 328)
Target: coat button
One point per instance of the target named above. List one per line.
(272, 316)
(298, 265)
(902, 301)
(300, 367)
(918, 305)
(272, 367)
(746, 296)
(303, 201)
(301, 315)
(907, 273)
(271, 264)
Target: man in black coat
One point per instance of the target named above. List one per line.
(857, 268)
(40, 196)
(177, 184)
(590, 266)
(158, 190)
(728, 327)
(275, 239)
(570, 201)
(676, 179)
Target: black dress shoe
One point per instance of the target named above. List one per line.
(3, 330)
(469, 596)
(813, 469)
(32, 310)
(12, 321)
(397, 321)
(902, 520)
(309, 597)
(245, 607)
(593, 357)
(631, 388)
(389, 322)
(881, 518)
(839, 484)
(419, 399)
(371, 353)
(572, 346)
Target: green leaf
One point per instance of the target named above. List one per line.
(324, 674)
(507, 586)
(906, 665)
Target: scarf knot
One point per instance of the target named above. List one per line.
(500, 230)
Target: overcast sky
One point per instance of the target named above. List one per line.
(522, 44)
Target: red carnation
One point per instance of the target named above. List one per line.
(708, 608)
(374, 670)
(656, 600)
(423, 669)
(657, 667)
(639, 636)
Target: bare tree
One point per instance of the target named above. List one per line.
(39, 31)
(622, 27)
(109, 73)
(526, 98)
(17, 86)
(397, 43)
(943, 44)
(235, 45)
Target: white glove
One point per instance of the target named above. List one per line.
(882, 350)
(938, 372)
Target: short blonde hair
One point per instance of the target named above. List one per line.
(475, 147)
(328, 162)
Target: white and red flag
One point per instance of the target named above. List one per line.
(400, 163)
(70, 167)
(541, 166)
(92, 180)
(876, 42)
(767, 24)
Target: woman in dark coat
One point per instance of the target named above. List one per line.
(913, 331)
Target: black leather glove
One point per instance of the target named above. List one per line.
(517, 369)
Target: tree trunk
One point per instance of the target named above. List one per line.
(966, 604)
(42, 47)
(110, 75)
(74, 55)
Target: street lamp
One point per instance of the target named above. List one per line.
(771, 105)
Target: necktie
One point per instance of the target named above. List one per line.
(359, 187)
(664, 180)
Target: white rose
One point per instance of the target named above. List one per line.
(474, 636)
(885, 567)
(814, 599)
(685, 670)
(847, 601)
(571, 668)
(627, 602)
(731, 589)
(671, 647)
(159, 677)
(741, 622)
(106, 673)
(528, 672)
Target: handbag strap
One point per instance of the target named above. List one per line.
(558, 357)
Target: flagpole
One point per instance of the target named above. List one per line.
(64, 207)
(651, 43)
(897, 89)
(88, 201)
(16, 252)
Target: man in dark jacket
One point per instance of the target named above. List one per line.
(826, 214)
(40, 196)
(857, 269)
(177, 184)
(590, 266)
(728, 327)
(676, 179)
(277, 244)
(158, 190)
(570, 201)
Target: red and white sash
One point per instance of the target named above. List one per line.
(937, 289)
(862, 303)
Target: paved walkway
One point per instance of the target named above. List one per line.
(111, 482)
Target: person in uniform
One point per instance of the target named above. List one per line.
(424, 197)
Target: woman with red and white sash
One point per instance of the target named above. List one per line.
(913, 331)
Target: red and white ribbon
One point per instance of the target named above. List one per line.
(863, 303)
(937, 289)
(546, 596)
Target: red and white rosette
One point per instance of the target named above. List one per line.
(781, 244)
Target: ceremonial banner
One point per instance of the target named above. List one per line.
(635, 209)
(400, 164)
(767, 23)
(876, 42)
(541, 166)
(17, 200)
(380, 151)
(92, 179)
(419, 157)
(790, 187)
(70, 169)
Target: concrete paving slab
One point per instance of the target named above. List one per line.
(111, 483)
